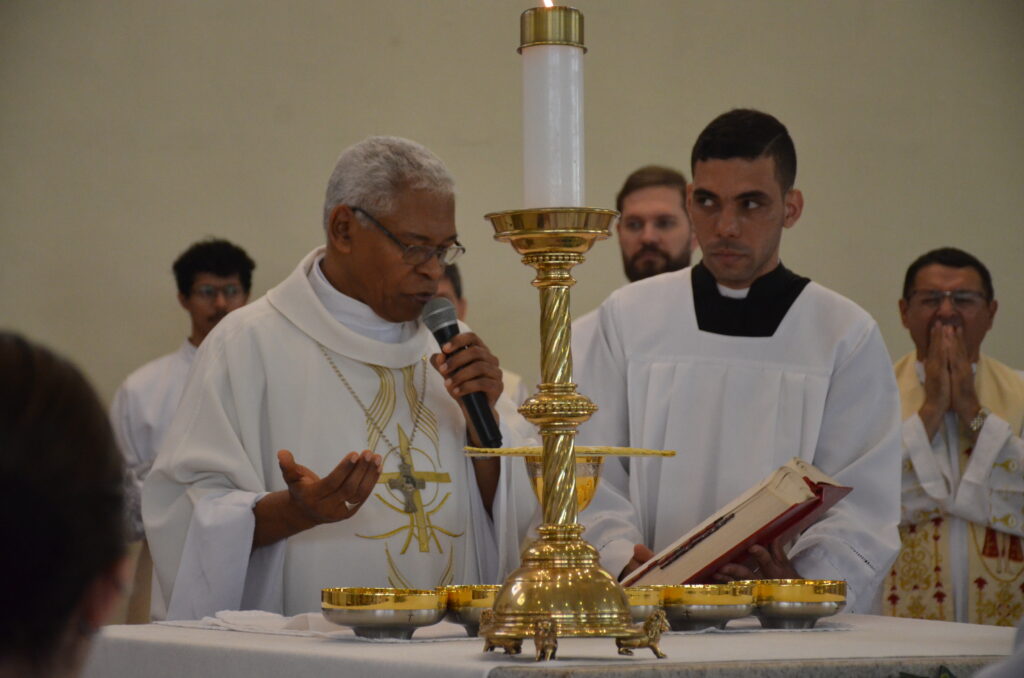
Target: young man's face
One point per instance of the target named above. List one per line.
(211, 298)
(738, 212)
(654, 232)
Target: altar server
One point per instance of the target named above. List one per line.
(963, 457)
(213, 278)
(259, 498)
(740, 364)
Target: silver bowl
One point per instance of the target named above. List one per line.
(383, 612)
(797, 603)
(643, 601)
(692, 607)
(467, 603)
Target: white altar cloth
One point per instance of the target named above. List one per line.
(159, 651)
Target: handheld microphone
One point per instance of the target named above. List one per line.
(440, 318)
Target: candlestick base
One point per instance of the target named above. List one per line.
(560, 581)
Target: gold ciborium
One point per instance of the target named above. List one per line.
(560, 588)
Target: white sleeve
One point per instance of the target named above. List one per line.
(991, 490)
(516, 510)
(198, 498)
(925, 474)
(859, 446)
(122, 420)
(611, 520)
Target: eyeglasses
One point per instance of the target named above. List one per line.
(962, 300)
(416, 255)
(211, 292)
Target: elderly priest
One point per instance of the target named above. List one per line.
(259, 497)
(740, 364)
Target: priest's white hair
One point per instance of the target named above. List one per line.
(371, 173)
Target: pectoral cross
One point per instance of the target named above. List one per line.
(410, 482)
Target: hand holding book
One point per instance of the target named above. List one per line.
(746, 538)
(772, 564)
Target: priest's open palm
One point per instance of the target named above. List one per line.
(336, 496)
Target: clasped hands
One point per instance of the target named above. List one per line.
(769, 564)
(949, 379)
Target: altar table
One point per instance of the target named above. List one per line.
(869, 646)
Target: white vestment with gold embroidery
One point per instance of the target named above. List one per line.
(962, 506)
(261, 383)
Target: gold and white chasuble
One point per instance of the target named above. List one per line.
(282, 373)
(962, 507)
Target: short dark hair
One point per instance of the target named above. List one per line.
(953, 258)
(451, 271)
(62, 502)
(652, 175)
(748, 134)
(215, 256)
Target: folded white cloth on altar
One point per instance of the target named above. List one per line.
(311, 624)
(752, 625)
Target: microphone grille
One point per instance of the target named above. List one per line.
(438, 313)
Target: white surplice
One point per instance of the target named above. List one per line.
(261, 384)
(140, 415)
(735, 409)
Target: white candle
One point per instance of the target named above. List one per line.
(552, 108)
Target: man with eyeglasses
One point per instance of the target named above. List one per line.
(213, 277)
(319, 441)
(963, 458)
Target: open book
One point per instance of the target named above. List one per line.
(779, 507)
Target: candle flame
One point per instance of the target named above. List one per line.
(549, 3)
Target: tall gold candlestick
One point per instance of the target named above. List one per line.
(560, 588)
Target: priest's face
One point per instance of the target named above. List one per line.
(967, 307)
(654, 232)
(738, 211)
(381, 277)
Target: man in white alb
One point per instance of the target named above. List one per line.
(259, 499)
(654, 231)
(963, 457)
(213, 277)
(739, 364)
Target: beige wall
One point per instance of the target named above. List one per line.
(130, 129)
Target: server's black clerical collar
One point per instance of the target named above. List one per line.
(758, 315)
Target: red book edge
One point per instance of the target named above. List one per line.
(785, 526)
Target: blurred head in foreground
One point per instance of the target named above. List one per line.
(62, 512)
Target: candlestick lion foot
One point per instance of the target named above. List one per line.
(652, 630)
(545, 640)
